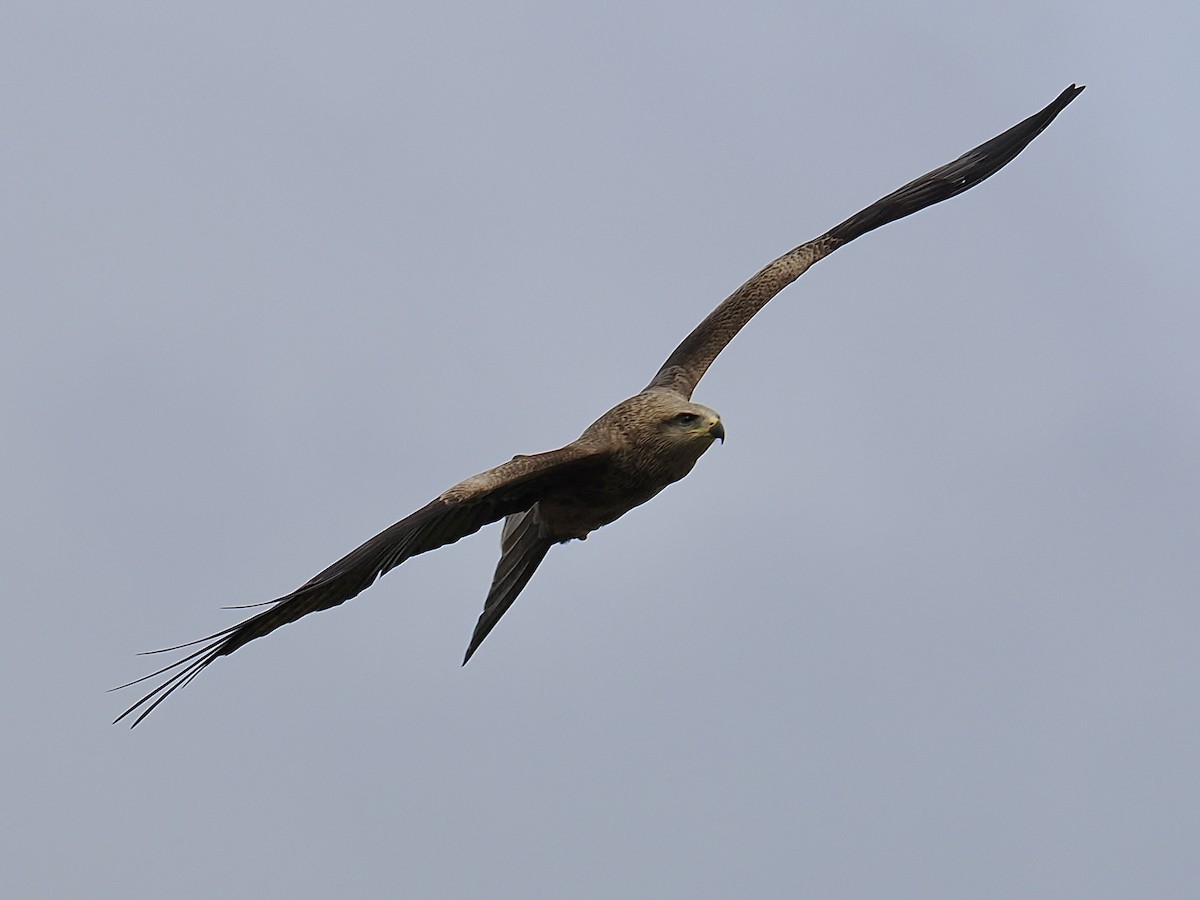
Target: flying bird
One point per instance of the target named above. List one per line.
(624, 458)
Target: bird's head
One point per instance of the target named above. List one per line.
(674, 434)
(691, 423)
(658, 431)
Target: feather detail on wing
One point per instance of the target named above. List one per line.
(462, 510)
(690, 360)
(523, 546)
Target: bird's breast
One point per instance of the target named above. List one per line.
(580, 508)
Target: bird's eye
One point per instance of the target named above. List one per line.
(687, 418)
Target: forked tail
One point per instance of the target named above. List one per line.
(522, 548)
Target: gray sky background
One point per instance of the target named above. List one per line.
(926, 625)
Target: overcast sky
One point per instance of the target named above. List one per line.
(925, 626)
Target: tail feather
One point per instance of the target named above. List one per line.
(522, 548)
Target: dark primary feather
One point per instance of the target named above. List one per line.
(690, 360)
(955, 177)
(436, 524)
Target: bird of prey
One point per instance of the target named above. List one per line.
(620, 461)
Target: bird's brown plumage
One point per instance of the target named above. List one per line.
(623, 459)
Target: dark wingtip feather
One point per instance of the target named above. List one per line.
(192, 665)
(955, 177)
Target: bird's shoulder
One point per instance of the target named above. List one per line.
(527, 470)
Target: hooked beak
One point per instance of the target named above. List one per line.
(718, 431)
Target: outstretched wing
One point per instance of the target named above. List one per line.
(691, 359)
(460, 511)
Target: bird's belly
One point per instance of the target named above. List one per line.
(574, 515)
